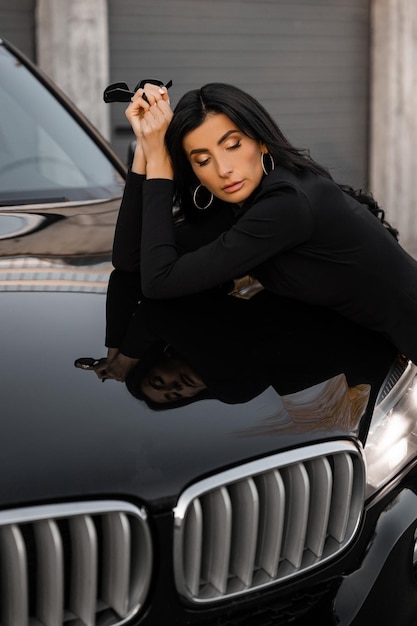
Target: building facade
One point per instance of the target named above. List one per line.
(339, 76)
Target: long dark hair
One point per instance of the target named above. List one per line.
(252, 119)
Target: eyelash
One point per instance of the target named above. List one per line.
(156, 382)
(234, 147)
(171, 397)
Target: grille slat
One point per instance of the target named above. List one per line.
(297, 487)
(50, 573)
(83, 563)
(193, 546)
(343, 485)
(84, 568)
(321, 480)
(117, 545)
(14, 588)
(271, 527)
(267, 521)
(245, 504)
(217, 513)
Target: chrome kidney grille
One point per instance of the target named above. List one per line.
(267, 521)
(84, 563)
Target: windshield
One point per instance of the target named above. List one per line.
(45, 155)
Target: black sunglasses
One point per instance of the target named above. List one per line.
(120, 92)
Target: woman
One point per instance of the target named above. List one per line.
(174, 352)
(294, 229)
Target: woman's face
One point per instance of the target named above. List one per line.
(171, 380)
(224, 159)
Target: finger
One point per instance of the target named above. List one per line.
(154, 122)
(158, 116)
(165, 107)
(154, 93)
(143, 98)
(137, 104)
(152, 117)
(135, 111)
(159, 110)
(164, 93)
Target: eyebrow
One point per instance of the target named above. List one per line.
(222, 138)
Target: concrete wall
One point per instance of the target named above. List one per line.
(393, 153)
(73, 49)
(307, 61)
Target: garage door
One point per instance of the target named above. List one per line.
(307, 62)
(17, 24)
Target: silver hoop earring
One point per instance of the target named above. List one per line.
(271, 163)
(206, 206)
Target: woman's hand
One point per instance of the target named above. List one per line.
(100, 369)
(115, 366)
(150, 120)
(119, 367)
(134, 114)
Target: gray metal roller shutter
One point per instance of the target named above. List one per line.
(17, 24)
(305, 60)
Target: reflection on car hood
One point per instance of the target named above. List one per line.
(57, 230)
(68, 435)
(96, 436)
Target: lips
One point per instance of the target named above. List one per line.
(232, 187)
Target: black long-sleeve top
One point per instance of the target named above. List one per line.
(302, 237)
(126, 327)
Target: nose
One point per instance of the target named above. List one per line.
(224, 167)
(174, 385)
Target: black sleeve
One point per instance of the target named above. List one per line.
(127, 324)
(124, 288)
(188, 236)
(278, 220)
(123, 295)
(127, 236)
(140, 335)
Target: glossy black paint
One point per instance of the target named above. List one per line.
(103, 440)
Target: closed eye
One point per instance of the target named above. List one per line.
(235, 146)
(156, 382)
(203, 163)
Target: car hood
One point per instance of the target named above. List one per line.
(67, 435)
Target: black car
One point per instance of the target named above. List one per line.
(285, 494)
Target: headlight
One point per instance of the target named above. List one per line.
(392, 438)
